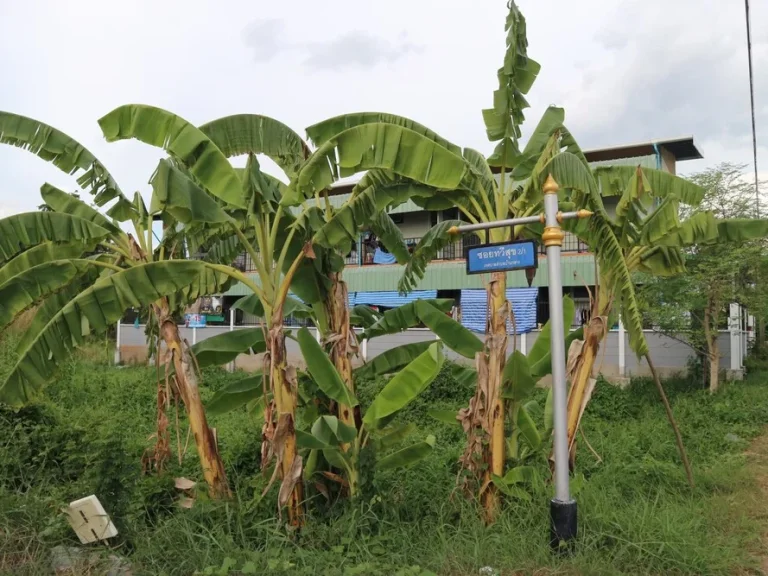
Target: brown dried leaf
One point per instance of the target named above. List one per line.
(574, 355)
(308, 250)
(289, 482)
(323, 489)
(335, 478)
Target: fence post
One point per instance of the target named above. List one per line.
(231, 365)
(117, 345)
(364, 349)
(194, 336)
(734, 330)
(523, 344)
(622, 353)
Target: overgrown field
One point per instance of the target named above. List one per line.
(637, 514)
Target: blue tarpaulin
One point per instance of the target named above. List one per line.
(389, 299)
(523, 300)
(381, 257)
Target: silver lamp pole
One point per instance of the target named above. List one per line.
(562, 510)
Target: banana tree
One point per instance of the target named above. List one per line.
(439, 175)
(340, 444)
(652, 239)
(282, 248)
(527, 441)
(43, 245)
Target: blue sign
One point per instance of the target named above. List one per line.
(502, 257)
(195, 320)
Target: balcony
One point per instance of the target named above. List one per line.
(364, 253)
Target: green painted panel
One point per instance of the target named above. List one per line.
(577, 270)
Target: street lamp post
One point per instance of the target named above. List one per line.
(562, 510)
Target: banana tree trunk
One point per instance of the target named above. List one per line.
(342, 340)
(186, 378)
(483, 420)
(581, 363)
(283, 436)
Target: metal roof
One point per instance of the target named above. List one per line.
(682, 148)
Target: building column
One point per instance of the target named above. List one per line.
(117, 346)
(231, 365)
(734, 330)
(622, 353)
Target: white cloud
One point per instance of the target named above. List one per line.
(625, 72)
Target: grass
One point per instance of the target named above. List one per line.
(637, 514)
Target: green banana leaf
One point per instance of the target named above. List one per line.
(613, 180)
(50, 306)
(528, 428)
(452, 333)
(363, 316)
(407, 456)
(184, 141)
(60, 201)
(403, 317)
(426, 250)
(551, 121)
(44, 252)
(322, 132)
(28, 229)
(252, 305)
(406, 385)
(544, 366)
(223, 348)
(444, 416)
(323, 371)
(255, 134)
(741, 229)
(392, 359)
(543, 344)
(101, 305)
(173, 192)
(516, 76)
(233, 395)
(63, 151)
(331, 431)
(387, 146)
(390, 235)
(33, 284)
(517, 380)
(375, 193)
(570, 173)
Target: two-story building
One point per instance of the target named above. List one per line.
(372, 279)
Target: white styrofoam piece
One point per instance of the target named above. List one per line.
(89, 520)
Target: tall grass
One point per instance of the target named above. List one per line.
(637, 514)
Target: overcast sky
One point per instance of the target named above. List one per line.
(624, 71)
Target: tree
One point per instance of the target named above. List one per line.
(44, 263)
(727, 267)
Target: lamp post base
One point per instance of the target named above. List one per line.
(562, 525)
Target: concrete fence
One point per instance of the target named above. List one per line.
(616, 359)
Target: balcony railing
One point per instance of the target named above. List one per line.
(365, 253)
